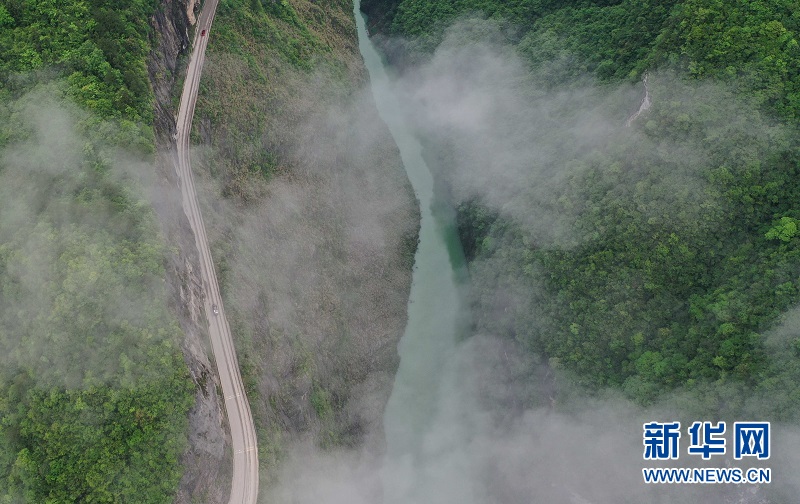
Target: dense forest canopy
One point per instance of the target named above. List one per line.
(684, 263)
(94, 391)
(668, 288)
(753, 43)
(99, 47)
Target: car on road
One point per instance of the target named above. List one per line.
(203, 33)
(215, 309)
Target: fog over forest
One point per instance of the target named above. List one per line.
(510, 427)
(620, 270)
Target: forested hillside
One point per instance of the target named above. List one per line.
(98, 47)
(311, 219)
(687, 248)
(753, 43)
(94, 390)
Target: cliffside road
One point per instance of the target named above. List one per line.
(244, 487)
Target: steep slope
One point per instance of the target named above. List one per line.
(317, 322)
(649, 258)
(312, 221)
(206, 460)
(95, 391)
(244, 475)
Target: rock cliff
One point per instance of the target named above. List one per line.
(207, 458)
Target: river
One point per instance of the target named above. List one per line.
(434, 310)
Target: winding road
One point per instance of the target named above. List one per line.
(244, 485)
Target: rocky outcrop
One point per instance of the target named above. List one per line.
(170, 40)
(206, 461)
(192, 6)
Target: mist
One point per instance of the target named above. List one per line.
(309, 262)
(91, 371)
(510, 426)
(313, 257)
(62, 237)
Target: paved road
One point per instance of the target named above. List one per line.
(244, 485)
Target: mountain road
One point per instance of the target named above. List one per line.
(244, 485)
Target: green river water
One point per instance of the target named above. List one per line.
(434, 309)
